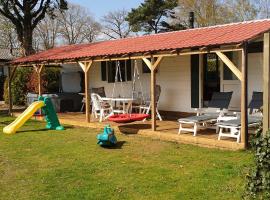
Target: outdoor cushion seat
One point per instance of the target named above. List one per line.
(234, 127)
(200, 118)
(217, 106)
(237, 122)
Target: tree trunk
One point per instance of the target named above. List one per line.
(27, 42)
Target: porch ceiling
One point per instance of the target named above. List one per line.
(172, 42)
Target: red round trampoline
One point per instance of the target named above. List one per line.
(125, 118)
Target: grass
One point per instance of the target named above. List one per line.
(40, 164)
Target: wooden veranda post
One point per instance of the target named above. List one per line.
(244, 95)
(86, 68)
(11, 74)
(153, 65)
(266, 75)
(242, 76)
(38, 69)
(153, 96)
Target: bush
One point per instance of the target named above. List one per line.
(52, 79)
(2, 82)
(18, 86)
(258, 185)
(49, 80)
(25, 80)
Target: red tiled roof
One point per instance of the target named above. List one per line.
(192, 38)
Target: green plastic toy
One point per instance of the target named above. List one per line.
(107, 138)
(50, 114)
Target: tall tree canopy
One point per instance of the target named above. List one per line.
(213, 12)
(148, 17)
(115, 25)
(77, 25)
(25, 16)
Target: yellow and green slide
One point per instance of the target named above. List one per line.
(45, 104)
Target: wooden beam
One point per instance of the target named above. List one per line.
(244, 96)
(85, 65)
(38, 69)
(147, 62)
(153, 95)
(86, 68)
(10, 102)
(157, 62)
(230, 64)
(13, 73)
(266, 78)
(153, 65)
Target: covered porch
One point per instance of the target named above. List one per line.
(166, 130)
(152, 52)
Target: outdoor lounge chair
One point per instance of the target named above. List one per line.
(217, 107)
(234, 125)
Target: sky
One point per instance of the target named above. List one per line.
(101, 7)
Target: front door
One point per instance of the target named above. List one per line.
(211, 77)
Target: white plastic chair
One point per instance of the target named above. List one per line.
(100, 108)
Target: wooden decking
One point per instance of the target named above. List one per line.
(166, 130)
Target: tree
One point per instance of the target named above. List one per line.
(242, 10)
(115, 24)
(149, 15)
(25, 16)
(75, 24)
(263, 8)
(91, 30)
(213, 12)
(8, 37)
(47, 32)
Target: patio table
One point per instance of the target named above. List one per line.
(123, 100)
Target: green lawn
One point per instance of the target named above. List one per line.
(40, 164)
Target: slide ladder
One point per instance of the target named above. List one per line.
(47, 108)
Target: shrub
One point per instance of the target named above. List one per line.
(52, 79)
(258, 185)
(18, 86)
(25, 80)
(49, 80)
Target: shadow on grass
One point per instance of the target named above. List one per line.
(132, 129)
(7, 122)
(119, 145)
(42, 129)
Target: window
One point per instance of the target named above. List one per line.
(227, 73)
(211, 79)
(103, 71)
(111, 65)
(108, 71)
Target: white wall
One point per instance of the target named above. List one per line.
(173, 76)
